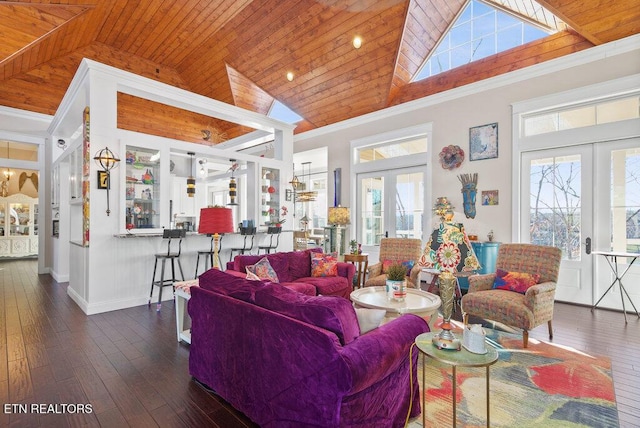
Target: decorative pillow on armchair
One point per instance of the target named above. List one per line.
(406, 263)
(515, 281)
(324, 265)
(262, 270)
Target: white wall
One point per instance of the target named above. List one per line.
(452, 114)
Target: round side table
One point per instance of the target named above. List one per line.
(361, 261)
(462, 358)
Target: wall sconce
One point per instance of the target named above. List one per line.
(191, 182)
(106, 160)
(62, 144)
(233, 186)
(203, 169)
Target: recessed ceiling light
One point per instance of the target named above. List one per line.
(290, 76)
(357, 42)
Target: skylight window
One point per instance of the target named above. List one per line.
(479, 31)
(282, 112)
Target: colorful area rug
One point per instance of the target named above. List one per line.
(545, 385)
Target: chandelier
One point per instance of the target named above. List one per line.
(305, 195)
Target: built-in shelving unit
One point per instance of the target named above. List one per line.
(142, 208)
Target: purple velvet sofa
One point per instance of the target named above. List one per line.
(285, 359)
(294, 271)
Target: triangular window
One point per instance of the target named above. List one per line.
(479, 31)
(282, 112)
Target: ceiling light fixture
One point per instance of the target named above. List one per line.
(290, 76)
(357, 42)
(233, 186)
(191, 182)
(203, 170)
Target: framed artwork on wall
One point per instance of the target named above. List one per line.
(483, 142)
(490, 197)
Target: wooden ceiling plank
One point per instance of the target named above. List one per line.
(111, 24)
(340, 57)
(323, 54)
(202, 27)
(161, 27)
(568, 18)
(163, 32)
(140, 24)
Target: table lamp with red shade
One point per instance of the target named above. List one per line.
(214, 221)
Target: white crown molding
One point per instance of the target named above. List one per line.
(586, 56)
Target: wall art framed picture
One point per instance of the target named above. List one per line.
(483, 142)
(490, 197)
(103, 180)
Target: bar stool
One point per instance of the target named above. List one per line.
(246, 232)
(272, 232)
(168, 234)
(208, 255)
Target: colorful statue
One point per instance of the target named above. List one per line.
(469, 192)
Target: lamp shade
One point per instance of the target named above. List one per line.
(215, 220)
(339, 216)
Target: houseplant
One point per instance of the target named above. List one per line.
(396, 285)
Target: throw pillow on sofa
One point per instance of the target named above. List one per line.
(331, 313)
(324, 265)
(369, 319)
(262, 271)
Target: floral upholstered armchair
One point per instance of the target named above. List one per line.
(522, 291)
(396, 250)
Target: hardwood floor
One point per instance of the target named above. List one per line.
(129, 367)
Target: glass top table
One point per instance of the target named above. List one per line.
(461, 358)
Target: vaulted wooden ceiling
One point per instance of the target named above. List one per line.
(239, 51)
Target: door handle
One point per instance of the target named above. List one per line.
(587, 244)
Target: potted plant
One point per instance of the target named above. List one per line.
(353, 245)
(396, 282)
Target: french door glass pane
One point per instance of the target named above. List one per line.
(625, 200)
(372, 210)
(409, 205)
(555, 209)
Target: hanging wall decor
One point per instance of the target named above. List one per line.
(451, 157)
(469, 191)
(483, 142)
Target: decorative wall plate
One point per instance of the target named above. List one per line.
(451, 157)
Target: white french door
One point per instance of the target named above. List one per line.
(580, 194)
(557, 209)
(389, 204)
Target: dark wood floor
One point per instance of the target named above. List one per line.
(128, 365)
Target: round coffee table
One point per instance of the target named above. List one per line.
(417, 302)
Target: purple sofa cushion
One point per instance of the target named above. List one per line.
(300, 263)
(229, 285)
(280, 264)
(329, 285)
(328, 312)
(301, 287)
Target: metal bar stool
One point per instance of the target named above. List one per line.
(272, 232)
(246, 232)
(208, 255)
(168, 234)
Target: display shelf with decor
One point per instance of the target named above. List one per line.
(142, 208)
(18, 226)
(269, 196)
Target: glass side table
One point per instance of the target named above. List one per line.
(462, 358)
